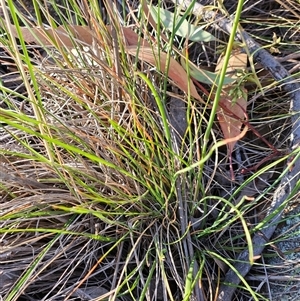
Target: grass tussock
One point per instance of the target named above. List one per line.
(105, 193)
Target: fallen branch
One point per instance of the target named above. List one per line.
(291, 177)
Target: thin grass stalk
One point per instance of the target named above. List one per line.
(36, 102)
(160, 106)
(215, 105)
(23, 281)
(99, 261)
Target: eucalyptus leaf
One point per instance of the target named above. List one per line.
(204, 76)
(182, 26)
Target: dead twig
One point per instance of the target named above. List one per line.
(6, 177)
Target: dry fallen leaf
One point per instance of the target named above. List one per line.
(232, 108)
(159, 60)
(134, 46)
(59, 36)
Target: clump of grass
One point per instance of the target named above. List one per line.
(94, 194)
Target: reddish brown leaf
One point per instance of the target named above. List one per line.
(81, 34)
(84, 35)
(60, 35)
(232, 112)
(132, 38)
(176, 71)
(230, 116)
